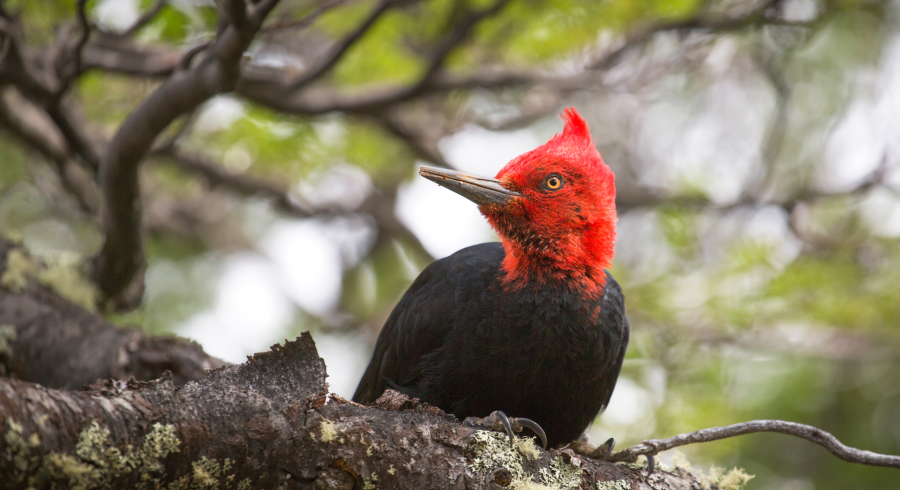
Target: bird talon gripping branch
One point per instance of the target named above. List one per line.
(534, 325)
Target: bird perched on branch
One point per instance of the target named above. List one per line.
(533, 326)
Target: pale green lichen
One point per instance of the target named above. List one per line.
(7, 336)
(95, 464)
(562, 475)
(680, 461)
(63, 273)
(614, 485)
(527, 447)
(491, 450)
(329, 430)
(733, 480)
(370, 483)
(19, 268)
(20, 448)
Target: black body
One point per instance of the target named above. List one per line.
(457, 340)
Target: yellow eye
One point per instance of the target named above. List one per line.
(553, 182)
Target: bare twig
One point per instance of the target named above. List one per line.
(144, 19)
(414, 141)
(30, 125)
(703, 21)
(69, 66)
(344, 45)
(304, 22)
(813, 434)
(243, 185)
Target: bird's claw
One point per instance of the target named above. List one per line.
(608, 447)
(521, 422)
(651, 462)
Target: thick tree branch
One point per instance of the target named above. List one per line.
(810, 433)
(121, 257)
(51, 341)
(269, 424)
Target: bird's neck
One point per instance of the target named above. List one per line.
(575, 260)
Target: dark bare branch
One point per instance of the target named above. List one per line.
(121, 257)
(30, 125)
(344, 45)
(119, 55)
(810, 433)
(243, 185)
(69, 64)
(379, 205)
(424, 149)
(304, 22)
(144, 19)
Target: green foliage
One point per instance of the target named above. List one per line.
(14, 168)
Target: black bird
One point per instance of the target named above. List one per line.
(532, 326)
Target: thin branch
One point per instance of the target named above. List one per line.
(704, 21)
(144, 19)
(243, 185)
(414, 141)
(813, 434)
(27, 123)
(263, 86)
(344, 45)
(115, 54)
(380, 205)
(303, 22)
(457, 36)
(71, 56)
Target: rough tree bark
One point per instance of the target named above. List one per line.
(46, 339)
(269, 423)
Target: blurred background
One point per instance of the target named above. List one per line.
(756, 147)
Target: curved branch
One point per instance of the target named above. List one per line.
(144, 19)
(345, 44)
(121, 257)
(808, 432)
(304, 22)
(265, 87)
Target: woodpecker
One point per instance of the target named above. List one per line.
(533, 326)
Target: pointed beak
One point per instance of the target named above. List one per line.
(480, 190)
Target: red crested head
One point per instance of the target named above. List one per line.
(563, 224)
(553, 207)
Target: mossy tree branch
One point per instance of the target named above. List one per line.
(269, 423)
(47, 338)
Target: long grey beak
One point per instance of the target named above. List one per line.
(480, 190)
